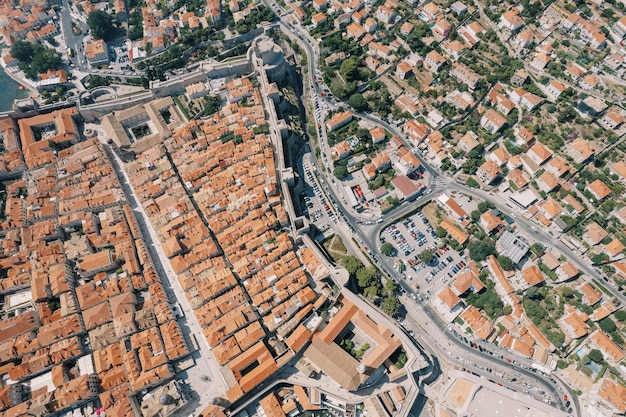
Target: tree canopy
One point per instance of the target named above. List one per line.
(102, 25)
(352, 264)
(35, 58)
(607, 325)
(340, 171)
(349, 69)
(479, 250)
(505, 262)
(596, 356)
(358, 102)
(426, 256)
(387, 248)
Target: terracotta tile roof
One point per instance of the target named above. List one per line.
(599, 189)
(614, 247)
(595, 233)
(614, 394)
(532, 275)
(607, 346)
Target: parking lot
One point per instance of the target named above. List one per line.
(314, 203)
(409, 238)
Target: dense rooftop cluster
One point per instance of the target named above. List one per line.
(211, 193)
(85, 317)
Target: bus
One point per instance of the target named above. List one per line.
(70, 52)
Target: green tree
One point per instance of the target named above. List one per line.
(505, 262)
(475, 216)
(101, 25)
(621, 315)
(426, 256)
(358, 102)
(340, 171)
(22, 51)
(386, 248)
(367, 277)
(479, 250)
(391, 287)
(440, 232)
(596, 356)
(391, 304)
(607, 325)
(352, 264)
(349, 69)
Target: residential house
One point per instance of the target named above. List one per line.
(385, 14)
(464, 74)
(540, 61)
(511, 20)
(614, 248)
(573, 323)
(380, 50)
(454, 232)
(614, 61)
(619, 28)
(434, 61)
(340, 21)
(594, 233)
(492, 121)
(318, 19)
(458, 8)
(539, 154)
(519, 178)
(429, 12)
(407, 104)
(610, 350)
(589, 82)
(567, 271)
(450, 205)
(469, 141)
(598, 189)
(575, 208)
(574, 71)
(416, 131)
(550, 209)
(370, 25)
(406, 28)
(547, 182)
(519, 77)
(555, 88)
(454, 49)
(524, 137)
(500, 101)
(377, 134)
(341, 150)
(461, 100)
(441, 28)
(612, 120)
(582, 150)
(619, 168)
(404, 70)
(489, 172)
(408, 162)
(524, 39)
(450, 300)
(592, 106)
(614, 394)
(490, 222)
(320, 5)
(381, 162)
(500, 156)
(557, 166)
(339, 120)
